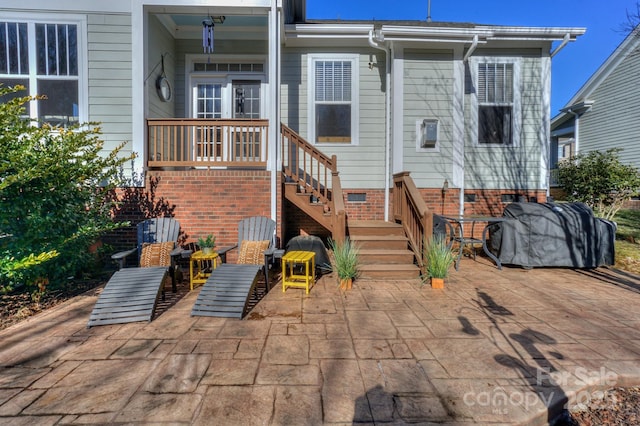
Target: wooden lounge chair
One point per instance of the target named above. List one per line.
(227, 290)
(132, 293)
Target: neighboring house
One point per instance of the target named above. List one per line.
(605, 112)
(464, 108)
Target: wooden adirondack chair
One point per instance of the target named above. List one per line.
(256, 228)
(132, 293)
(226, 292)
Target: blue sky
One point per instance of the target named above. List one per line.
(570, 68)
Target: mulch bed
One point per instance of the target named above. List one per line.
(618, 406)
(19, 305)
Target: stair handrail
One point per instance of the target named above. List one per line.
(410, 210)
(317, 173)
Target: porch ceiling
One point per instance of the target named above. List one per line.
(189, 25)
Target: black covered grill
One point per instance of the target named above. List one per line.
(549, 234)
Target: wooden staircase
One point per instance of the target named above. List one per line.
(384, 252)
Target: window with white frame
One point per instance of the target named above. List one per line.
(44, 58)
(496, 99)
(333, 105)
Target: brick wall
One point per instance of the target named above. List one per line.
(203, 201)
(214, 201)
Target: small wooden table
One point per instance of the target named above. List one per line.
(200, 267)
(292, 279)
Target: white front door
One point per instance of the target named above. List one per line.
(226, 98)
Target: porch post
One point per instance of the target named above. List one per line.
(274, 104)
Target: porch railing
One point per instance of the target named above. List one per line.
(410, 210)
(176, 142)
(317, 173)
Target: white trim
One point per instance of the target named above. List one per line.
(355, 95)
(80, 21)
(458, 133)
(397, 144)
(139, 102)
(545, 130)
(72, 6)
(516, 125)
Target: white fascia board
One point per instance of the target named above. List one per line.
(627, 46)
(111, 6)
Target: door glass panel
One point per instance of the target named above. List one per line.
(208, 105)
(246, 104)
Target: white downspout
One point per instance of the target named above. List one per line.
(387, 143)
(274, 114)
(565, 40)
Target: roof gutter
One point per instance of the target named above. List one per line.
(376, 40)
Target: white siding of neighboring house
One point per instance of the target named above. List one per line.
(428, 87)
(109, 77)
(614, 118)
(361, 166)
(519, 166)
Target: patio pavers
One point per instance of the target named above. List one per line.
(499, 347)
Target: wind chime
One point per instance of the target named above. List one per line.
(207, 31)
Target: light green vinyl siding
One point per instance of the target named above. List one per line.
(361, 166)
(614, 119)
(428, 94)
(109, 78)
(516, 166)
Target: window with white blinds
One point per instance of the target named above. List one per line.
(44, 58)
(495, 91)
(333, 105)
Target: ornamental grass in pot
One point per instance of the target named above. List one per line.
(438, 258)
(345, 262)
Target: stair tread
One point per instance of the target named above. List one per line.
(372, 224)
(377, 237)
(384, 251)
(388, 267)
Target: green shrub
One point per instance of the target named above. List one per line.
(54, 196)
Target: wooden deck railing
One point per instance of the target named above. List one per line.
(410, 210)
(304, 164)
(175, 142)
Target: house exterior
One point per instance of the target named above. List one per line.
(337, 106)
(604, 113)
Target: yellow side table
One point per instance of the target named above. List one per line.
(199, 265)
(292, 279)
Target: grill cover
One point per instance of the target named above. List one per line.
(549, 234)
(314, 244)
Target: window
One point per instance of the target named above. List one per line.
(495, 95)
(43, 57)
(333, 99)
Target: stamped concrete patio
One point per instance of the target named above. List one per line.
(494, 347)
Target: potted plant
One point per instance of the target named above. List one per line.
(207, 244)
(345, 261)
(438, 258)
